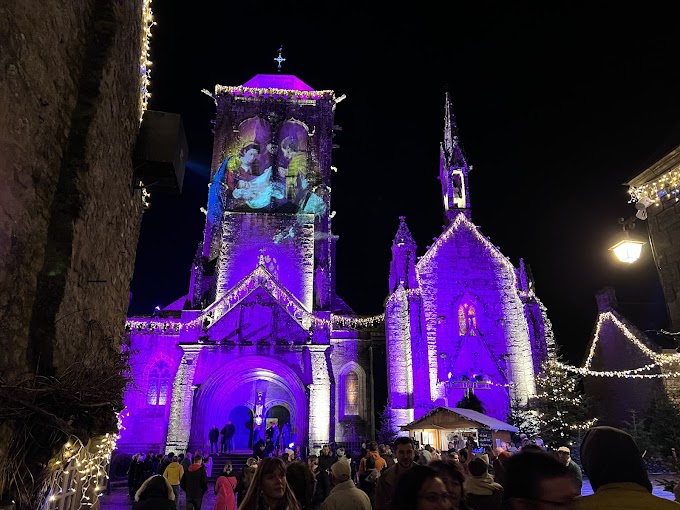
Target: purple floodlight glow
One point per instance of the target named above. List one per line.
(277, 81)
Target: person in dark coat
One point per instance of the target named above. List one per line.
(213, 436)
(195, 483)
(132, 475)
(155, 494)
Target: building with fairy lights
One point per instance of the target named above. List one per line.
(261, 334)
(461, 318)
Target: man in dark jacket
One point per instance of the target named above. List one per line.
(195, 483)
(213, 436)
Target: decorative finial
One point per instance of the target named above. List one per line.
(280, 59)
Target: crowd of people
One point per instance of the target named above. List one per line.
(403, 477)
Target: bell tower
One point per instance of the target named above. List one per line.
(453, 168)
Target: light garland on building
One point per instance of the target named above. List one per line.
(144, 58)
(260, 277)
(275, 93)
(665, 186)
(634, 373)
(91, 467)
(462, 220)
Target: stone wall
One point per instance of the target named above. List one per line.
(664, 231)
(69, 216)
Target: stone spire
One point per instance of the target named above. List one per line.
(453, 168)
(403, 266)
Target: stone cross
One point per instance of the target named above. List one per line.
(280, 59)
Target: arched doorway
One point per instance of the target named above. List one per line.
(235, 385)
(242, 418)
(282, 416)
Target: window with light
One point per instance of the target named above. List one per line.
(159, 384)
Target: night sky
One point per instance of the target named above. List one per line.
(557, 106)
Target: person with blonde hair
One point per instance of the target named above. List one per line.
(269, 489)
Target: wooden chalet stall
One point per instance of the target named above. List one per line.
(438, 427)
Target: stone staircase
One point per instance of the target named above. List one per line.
(238, 460)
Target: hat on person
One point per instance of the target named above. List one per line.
(564, 449)
(341, 470)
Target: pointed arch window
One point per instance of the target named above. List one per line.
(352, 394)
(467, 320)
(159, 384)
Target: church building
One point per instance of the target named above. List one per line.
(262, 337)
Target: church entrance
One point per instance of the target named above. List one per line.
(242, 418)
(282, 416)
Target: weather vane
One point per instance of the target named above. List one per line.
(280, 59)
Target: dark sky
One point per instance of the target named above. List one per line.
(557, 107)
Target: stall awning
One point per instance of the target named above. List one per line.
(449, 418)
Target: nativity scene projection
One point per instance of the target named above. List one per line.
(267, 171)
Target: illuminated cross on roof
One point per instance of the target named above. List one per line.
(280, 59)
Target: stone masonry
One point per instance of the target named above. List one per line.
(69, 213)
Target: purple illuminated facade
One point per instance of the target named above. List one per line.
(261, 334)
(460, 318)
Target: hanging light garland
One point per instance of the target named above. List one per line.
(667, 186)
(260, 277)
(91, 467)
(659, 359)
(145, 58)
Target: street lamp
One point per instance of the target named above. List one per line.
(627, 250)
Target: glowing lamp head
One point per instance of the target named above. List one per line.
(627, 250)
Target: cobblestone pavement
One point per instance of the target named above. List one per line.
(119, 500)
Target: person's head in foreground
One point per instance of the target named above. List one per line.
(422, 488)
(610, 455)
(536, 480)
(270, 484)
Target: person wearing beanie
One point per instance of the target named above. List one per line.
(612, 462)
(482, 492)
(345, 494)
(564, 454)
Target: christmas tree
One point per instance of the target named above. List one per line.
(524, 418)
(563, 411)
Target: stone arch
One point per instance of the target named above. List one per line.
(221, 391)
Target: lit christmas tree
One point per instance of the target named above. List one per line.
(563, 410)
(524, 418)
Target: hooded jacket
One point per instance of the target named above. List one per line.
(195, 481)
(380, 463)
(612, 461)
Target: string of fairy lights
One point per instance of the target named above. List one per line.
(666, 186)
(90, 470)
(145, 58)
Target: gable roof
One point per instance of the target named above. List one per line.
(258, 278)
(462, 221)
(449, 418)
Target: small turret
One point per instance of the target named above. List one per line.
(403, 266)
(453, 168)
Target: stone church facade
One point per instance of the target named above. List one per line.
(461, 318)
(261, 334)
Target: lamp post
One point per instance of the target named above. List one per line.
(627, 250)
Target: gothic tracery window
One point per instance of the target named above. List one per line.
(351, 394)
(159, 384)
(467, 320)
